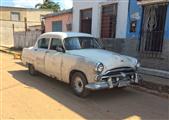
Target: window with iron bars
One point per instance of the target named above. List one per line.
(153, 25)
(108, 24)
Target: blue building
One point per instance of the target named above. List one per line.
(148, 29)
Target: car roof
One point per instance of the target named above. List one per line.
(63, 35)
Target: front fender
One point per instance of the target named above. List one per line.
(72, 62)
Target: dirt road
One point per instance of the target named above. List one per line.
(27, 97)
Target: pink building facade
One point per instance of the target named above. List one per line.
(59, 22)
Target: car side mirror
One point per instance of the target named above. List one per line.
(60, 49)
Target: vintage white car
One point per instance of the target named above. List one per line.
(79, 60)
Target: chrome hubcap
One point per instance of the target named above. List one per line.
(78, 84)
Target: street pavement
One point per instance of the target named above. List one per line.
(40, 97)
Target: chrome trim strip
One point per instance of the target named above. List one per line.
(118, 75)
(116, 70)
(107, 85)
(97, 86)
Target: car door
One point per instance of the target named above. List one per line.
(40, 52)
(53, 59)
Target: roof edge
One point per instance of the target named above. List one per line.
(22, 8)
(146, 2)
(59, 13)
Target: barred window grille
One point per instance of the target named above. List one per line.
(152, 33)
(108, 25)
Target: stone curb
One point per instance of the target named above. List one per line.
(154, 92)
(159, 88)
(6, 51)
(155, 86)
(154, 72)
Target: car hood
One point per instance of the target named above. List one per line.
(109, 59)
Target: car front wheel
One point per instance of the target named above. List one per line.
(32, 70)
(78, 82)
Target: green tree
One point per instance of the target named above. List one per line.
(48, 4)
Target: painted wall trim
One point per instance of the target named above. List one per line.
(166, 34)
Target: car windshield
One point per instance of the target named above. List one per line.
(74, 43)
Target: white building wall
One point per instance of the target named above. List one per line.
(80, 5)
(96, 6)
(122, 15)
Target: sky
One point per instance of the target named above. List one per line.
(65, 4)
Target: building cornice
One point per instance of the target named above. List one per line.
(145, 2)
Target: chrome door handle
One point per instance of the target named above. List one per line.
(47, 52)
(35, 49)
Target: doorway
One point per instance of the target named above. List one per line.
(86, 21)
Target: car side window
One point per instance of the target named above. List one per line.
(43, 43)
(55, 42)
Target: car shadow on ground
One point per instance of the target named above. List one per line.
(20, 63)
(115, 103)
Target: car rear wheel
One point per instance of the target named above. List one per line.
(32, 70)
(78, 82)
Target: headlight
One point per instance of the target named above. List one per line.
(138, 65)
(99, 67)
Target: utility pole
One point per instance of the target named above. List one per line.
(13, 28)
(25, 21)
(42, 26)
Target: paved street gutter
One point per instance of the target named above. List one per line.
(151, 91)
(153, 84)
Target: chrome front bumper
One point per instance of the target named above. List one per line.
(110, 84)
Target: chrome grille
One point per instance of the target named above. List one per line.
(128, 72)
(118, 71)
